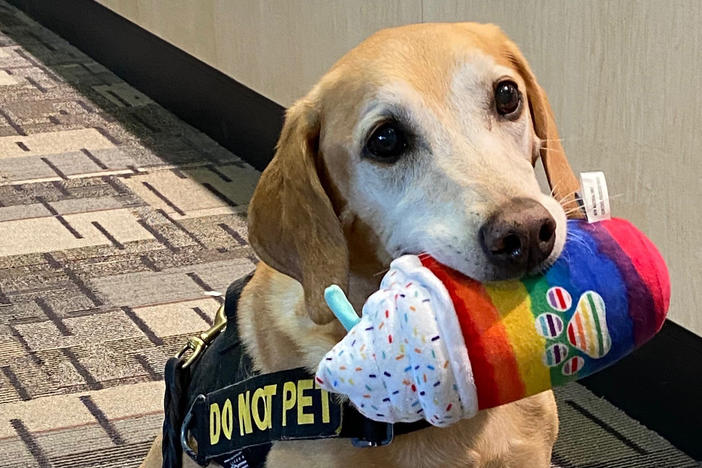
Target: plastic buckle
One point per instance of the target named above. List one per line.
(371, 441)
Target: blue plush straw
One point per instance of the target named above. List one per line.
(342, 308)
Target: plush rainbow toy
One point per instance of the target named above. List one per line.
(434, 344)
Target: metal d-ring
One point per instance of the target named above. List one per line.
(184, 428)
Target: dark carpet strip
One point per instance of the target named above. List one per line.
(163, 198)
(82, 370)
(93, 158)
(74, 278)
(30, 443)
(158, 236)
(203, 315)
(102, 420)
(181, 227)
(142, 326)
(16, 384)
(206, 287)
(232, 233)
(58, 217)
(141, 359)
(51, 315)
(606, 427)
(27, 349)
(108, 236)
(54, 168)
(219, 194)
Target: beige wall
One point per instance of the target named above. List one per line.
(622, 78)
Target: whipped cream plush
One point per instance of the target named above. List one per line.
(434, 344)
(406, 359)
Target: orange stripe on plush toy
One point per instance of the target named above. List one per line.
(492, 359)
(513, 301)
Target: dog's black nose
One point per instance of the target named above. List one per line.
(518, 236)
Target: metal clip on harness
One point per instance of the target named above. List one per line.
(198, 343)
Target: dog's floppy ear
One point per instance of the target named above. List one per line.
(559, 173)
(292, 224)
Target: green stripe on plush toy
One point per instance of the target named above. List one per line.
(452, 346)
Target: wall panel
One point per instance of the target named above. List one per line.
(276, 47)
(622, 78)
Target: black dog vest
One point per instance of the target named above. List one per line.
(232, 414)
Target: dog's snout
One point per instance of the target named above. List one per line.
(518, 236)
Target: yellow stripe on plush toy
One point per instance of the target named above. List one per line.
(514, 305)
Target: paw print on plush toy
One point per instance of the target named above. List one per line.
(586, 331)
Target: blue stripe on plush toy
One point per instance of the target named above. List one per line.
(583, 254)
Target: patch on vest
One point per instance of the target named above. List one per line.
(236, 461)
(285, 405)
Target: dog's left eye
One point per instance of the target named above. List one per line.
(386, 143)
(507, 98)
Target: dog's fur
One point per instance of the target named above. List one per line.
(323, 214)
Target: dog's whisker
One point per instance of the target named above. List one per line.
(569, 203)
(381, 272)
(552, 139)
(558, 150)
(572, 195)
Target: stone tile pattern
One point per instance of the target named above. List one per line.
(116, 218)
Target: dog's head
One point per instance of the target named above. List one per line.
(420, 140)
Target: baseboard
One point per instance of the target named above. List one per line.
(238, 118)
(660, 385)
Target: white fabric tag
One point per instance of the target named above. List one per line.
(595, 196)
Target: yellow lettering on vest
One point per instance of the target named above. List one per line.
(269, 391)
(214, 423)
(288, 400)
(325, 404)
(260, 423)
(227, 419)
(304, 401)
(245, 413)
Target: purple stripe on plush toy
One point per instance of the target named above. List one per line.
(637, 293)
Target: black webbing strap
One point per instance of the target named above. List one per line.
(174, 409)
(219, 366)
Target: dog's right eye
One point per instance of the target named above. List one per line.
(386, 143)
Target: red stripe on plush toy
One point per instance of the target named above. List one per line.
(492, 359)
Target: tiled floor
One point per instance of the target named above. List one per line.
(116, 218)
